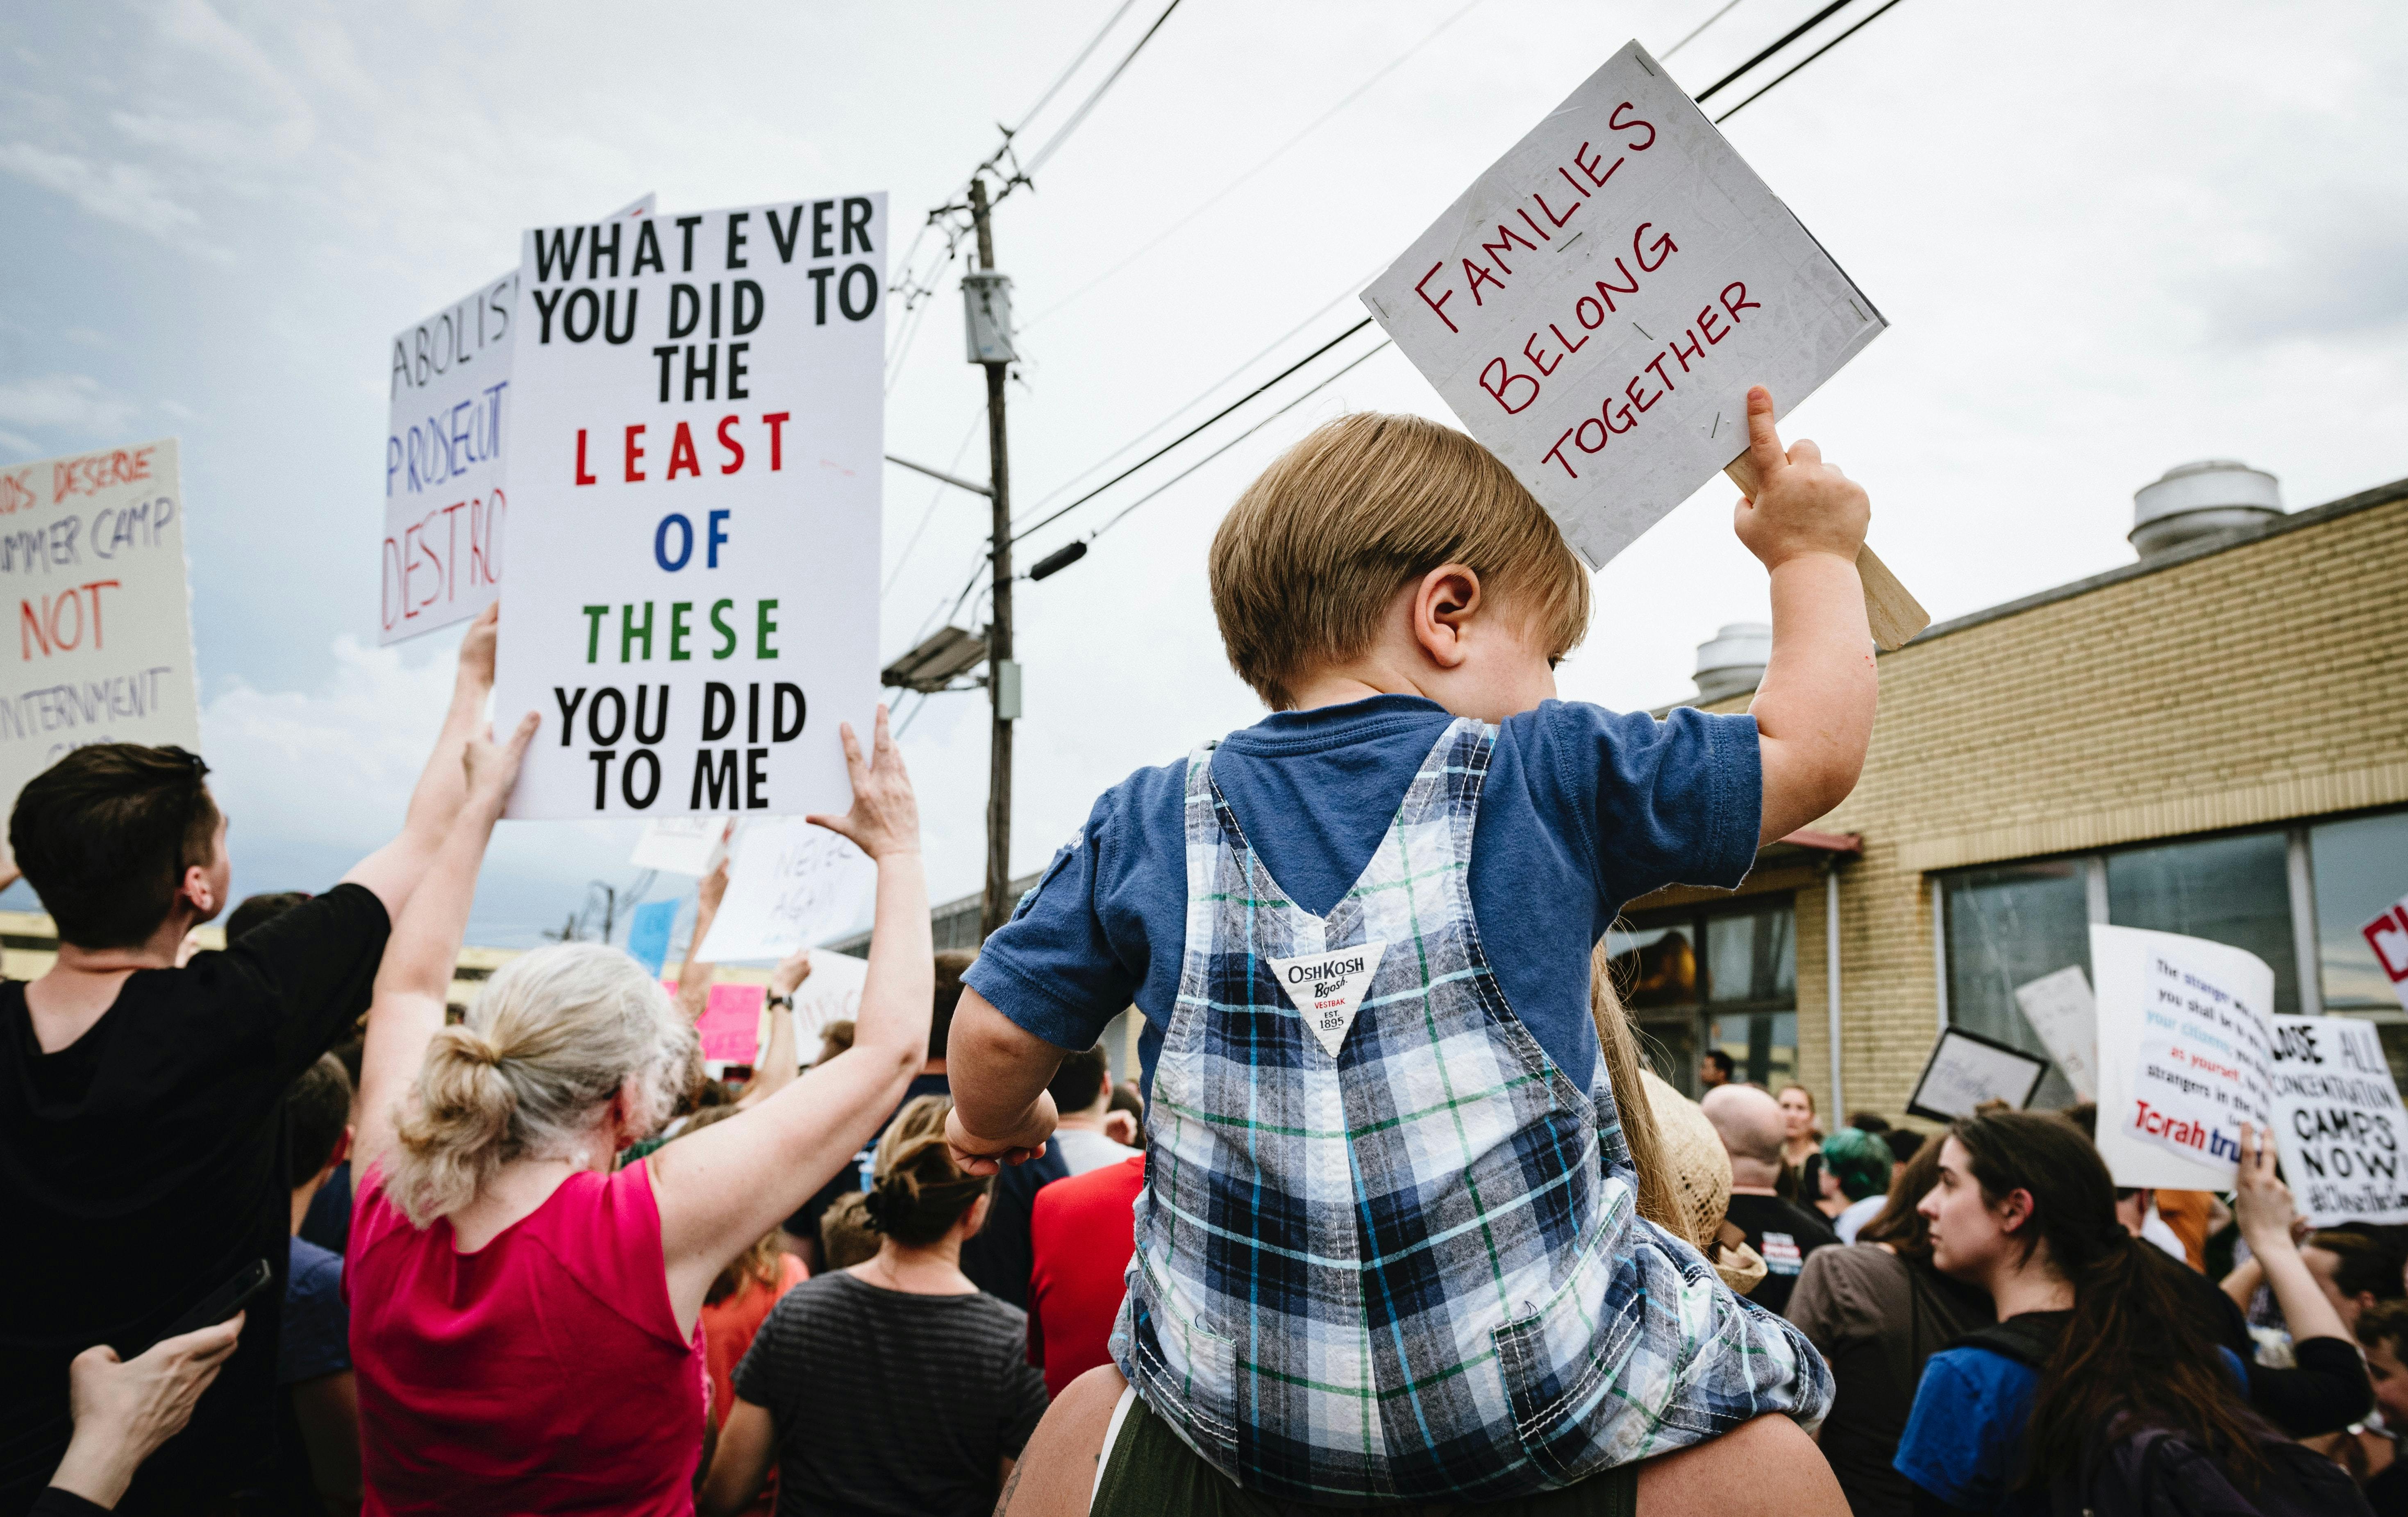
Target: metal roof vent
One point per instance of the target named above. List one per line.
(2199, 500)
(1732, 662)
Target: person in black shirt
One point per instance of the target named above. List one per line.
(142, 1139)
(1750, 1125)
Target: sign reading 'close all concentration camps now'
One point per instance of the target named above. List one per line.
(694, 479)
(92, 563)
(447, 426)
(2338, 1121)
(1596, 305)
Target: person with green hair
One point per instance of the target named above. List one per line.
(1857, 1164)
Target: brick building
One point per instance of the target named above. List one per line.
(2211, 740)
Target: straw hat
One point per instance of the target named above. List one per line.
(1692, 1154)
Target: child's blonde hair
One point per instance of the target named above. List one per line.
(1306, 563)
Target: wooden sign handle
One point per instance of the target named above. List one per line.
(1890, 609)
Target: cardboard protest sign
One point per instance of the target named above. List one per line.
(448, 387)
(694, 477)
(92, 549)
(789, 885)
(2388, 935)
(1595, 307)
(2062, 1011)
(1966, 1069)
(2338, 1121)
(832, 992)
(2184, 1050)
(681, 844)
(730, 1023)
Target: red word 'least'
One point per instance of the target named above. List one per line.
(682, 458)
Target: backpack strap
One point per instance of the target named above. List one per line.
(2028, 1339)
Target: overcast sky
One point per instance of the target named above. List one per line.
(2108, 239)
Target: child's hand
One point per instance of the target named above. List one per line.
(1800, 504)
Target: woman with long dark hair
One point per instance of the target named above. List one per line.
(2097, 1336)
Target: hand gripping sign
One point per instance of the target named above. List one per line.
(1596, 305)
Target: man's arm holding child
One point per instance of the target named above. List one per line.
(1813, 709)
(1002, 1113)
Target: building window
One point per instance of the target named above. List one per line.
(2008, 925)
(1738, 994)
(2226, 889)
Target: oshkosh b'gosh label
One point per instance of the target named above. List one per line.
(1328, 988)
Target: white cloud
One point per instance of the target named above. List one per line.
(72, 402)
(125, 194)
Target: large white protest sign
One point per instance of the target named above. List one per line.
(2062, 1011)
(2388, 935)
(447, 405)
(1967, 1069)
(2338, 1121)
(789, 884)
(92, 549)
(695, 472)
(681, 844)
(2183, 1056)
(1596, 305)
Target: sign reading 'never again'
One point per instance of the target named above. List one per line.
(693, 592)
(1596, 305)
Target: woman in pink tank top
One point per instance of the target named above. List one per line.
(525, 1320)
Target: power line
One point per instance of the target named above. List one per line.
(934, 501)
(1072, 482)
(1276, 153)
(1024, 531)
(1234, 441)
(1075, 63)
(1696, 32)
(1053, 143)
(1787, 37)
(1803, 62)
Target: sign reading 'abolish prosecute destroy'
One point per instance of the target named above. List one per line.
(693, 601)
(1596, 305)
(92, 553)
(447, 398)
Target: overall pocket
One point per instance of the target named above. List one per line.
(1560, 1365)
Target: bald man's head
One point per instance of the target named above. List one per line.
(1748, 1122)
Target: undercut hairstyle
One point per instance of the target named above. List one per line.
(952, 964)
(2362, 1265)
(1306, 564)
(105, 836)
(317, 1108)
(257, 910)
(1080, 1081)
(2385, 1323)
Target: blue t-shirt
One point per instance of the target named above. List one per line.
(1964, 1439)
(1583, 810)
(317, 1324)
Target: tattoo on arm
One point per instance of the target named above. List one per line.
(1003, 1506)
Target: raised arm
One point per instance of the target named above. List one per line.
(775, 1067)
(721, 1189)
(415, 978)
(693, 976)
(394, 872)
(1002, 1112)
(1814, 708)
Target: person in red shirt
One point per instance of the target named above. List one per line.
(1081, 1232)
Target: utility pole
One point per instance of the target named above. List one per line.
(989, 296)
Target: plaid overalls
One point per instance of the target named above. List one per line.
(1411, 1269)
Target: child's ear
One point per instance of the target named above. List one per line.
(1444, 603)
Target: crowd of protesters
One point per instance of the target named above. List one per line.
(530, 1258)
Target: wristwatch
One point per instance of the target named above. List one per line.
(779, 1003)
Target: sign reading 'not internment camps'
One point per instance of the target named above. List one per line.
(91, 557)
(1596, 305)
(692, 589)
